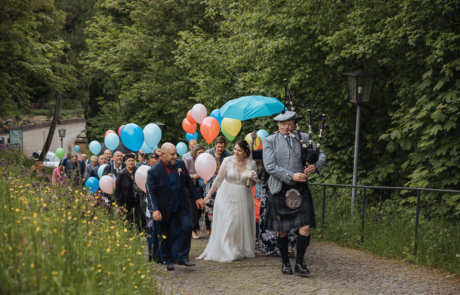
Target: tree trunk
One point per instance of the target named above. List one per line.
(49, 139)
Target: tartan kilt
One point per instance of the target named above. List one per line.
(280, 217)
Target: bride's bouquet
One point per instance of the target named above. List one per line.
(250, 176)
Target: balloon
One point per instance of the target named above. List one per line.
(181, 148)
(60, 153)
(107, 184)
(111, 141)
(257, 142)
(108, 132)
(209, 129)
(216, 114)
(188, 127)
(262, 134)
(141, 177)
(119, 130)
(199, 112)
(231, 126)
(205, 165)
(100, 170)
(76, 148)
(92, 184)
(146, 149)
(228, 136)
(132, 136)
(152, 135)
(189, 117)
(95, 147)
(189, 136)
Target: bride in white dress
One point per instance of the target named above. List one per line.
(233, 232)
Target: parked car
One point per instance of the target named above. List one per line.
(51, 160)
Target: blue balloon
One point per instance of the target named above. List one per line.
(216, 114)
(95, 147)
(111, 141)
(262, 134)
(132, 136)
(100, 170)
(181, 148)
(76, 148)
(152, 134)
(146, 149)
(189, 136)
(92, 184)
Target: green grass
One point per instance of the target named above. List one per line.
(62, 240)
(389, 230)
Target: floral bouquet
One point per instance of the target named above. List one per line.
(250, 176)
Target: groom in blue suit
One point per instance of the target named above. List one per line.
(166, 183)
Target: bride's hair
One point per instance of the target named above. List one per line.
(244, 145)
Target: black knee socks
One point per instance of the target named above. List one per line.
(283, 247)
(301, 246)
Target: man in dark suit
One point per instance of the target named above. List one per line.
(166, 183)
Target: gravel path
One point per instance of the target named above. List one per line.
(335, 270)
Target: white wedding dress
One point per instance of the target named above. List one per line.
(233, 232)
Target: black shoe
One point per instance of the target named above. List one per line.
(286, 269)
(185, 262)
(301, 269)
(170, 266)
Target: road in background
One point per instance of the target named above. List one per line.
(34, 139)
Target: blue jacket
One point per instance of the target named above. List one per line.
(159, 193)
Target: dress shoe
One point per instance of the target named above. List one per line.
(301, 269)
(286, 269)
(185, 262)
(195, 235)
(170, 266)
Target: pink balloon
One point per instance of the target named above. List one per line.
(205, 166)
(107, 184)
(119, 130)
(199, 112)
(141, 177)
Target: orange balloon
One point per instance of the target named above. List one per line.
(209, 129)
(188, 127)
(190, 118)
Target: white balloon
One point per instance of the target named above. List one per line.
(199, 112)
(141, 177)
(205, 166)
(107, 184)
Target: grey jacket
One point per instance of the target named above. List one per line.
(282, 161)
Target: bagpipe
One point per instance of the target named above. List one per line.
(309, 151)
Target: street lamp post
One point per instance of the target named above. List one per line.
(62, 134)
(9, 123)
(360, 88)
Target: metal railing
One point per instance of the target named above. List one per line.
(365, 187)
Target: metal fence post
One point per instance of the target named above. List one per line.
(417, 214)
(362, 216)
(324, 209)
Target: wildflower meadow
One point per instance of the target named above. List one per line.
(62, 239)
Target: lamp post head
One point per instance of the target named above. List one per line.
(360, 85)
(62, 132)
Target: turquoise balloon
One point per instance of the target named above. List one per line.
(132, 136)
(100, 170)
(152, 134)
(60, 153)
(92, 184)
(189, 136)
(181, 148)
(95, 147)
(111, 141)
(76, 148)
(216, 114)
(262, 134)
(146, 149)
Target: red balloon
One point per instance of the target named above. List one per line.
(190, 118)
(119, 130)
(209, 129)
(189, 127)
(108, 132)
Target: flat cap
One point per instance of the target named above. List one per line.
(287, 115)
